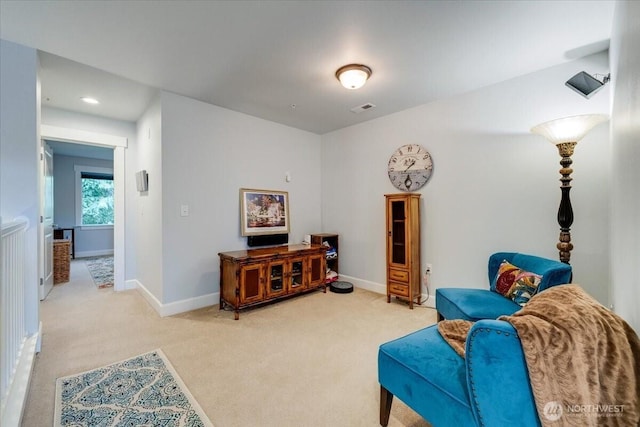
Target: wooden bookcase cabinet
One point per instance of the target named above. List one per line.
(333, 241)
(255, 276)
(403, 247)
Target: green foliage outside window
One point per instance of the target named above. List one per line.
(97, 201)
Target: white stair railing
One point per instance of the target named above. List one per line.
(13, 331)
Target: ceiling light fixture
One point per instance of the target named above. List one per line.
(353, 76)
(90, 100)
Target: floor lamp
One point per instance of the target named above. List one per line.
(565, 134)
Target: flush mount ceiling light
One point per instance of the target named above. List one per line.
(353, 76)
(90, 100)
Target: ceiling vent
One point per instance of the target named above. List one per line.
(364, 107)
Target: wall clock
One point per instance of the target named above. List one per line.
(410, 167)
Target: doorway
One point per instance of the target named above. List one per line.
(83, 205)
(117, 145)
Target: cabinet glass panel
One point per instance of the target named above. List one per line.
(398, 225)
(276, 278)
(397, 210)
(297, 278)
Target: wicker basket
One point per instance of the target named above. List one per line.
(61, 262)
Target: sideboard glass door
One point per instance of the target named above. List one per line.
(276, 278)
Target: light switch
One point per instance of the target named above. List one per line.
(184, 210)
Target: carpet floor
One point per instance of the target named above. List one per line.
(307, 361)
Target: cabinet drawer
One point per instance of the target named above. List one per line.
(399, 275)
(399, 289)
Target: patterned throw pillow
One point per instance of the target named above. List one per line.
(516, 284)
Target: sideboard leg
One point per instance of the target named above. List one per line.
(237, 315)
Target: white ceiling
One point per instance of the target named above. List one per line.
(260, 57)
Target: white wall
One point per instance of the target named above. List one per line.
(494, 186)
(19, 164)
(86, 122)
(69, 119)
(625, 135)
(208, 154)
(148, 205)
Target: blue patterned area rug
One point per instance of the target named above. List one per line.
(101, 270)
(144, 390)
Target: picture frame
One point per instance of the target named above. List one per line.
(264, 212)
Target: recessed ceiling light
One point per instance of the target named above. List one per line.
(90, 100)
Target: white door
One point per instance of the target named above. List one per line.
(46, 283)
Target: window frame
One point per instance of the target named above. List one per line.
(79, 169)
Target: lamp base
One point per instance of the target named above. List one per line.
(565, 211)
(565, 246)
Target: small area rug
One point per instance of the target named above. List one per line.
(101, 269)
(143, 390)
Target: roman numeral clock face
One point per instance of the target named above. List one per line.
(410, 167)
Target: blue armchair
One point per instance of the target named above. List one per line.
(478, 304)
(489, 387)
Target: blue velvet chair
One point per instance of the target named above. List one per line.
(477, 304)
(489, 387)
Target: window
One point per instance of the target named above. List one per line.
(94, 196)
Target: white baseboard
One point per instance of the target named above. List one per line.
(381, 288)
(431, 302)
(131, 284)
(101, 252)
(39, 340)
(16, 398)
(177, 307)
(195, 303)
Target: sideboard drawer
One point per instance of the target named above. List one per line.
(399, 275)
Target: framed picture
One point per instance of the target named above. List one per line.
(264, 212)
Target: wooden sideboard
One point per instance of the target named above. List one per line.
(255, 276)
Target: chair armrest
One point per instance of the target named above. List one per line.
(497, 377)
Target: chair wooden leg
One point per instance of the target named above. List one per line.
(439, 318)
(386, 398)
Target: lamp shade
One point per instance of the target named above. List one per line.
(353, 76)
(569, 129)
